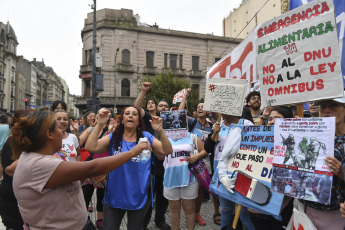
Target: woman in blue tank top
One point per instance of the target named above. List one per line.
(128, 188)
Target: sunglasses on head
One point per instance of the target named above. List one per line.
(332, 105)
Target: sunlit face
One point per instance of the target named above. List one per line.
(62, 120)
(273, 116)
(151, 105)
(59, 107)
(162, 106)
(200, 110)
(313, 108)
(331, 108)
(130, 118)
(90, 119)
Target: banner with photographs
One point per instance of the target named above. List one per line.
(175, 123)
(300, 148)
(254, 158)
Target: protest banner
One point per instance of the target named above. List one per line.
(339, 8)
(254, 158)
(300, 148)
(298, 56)
(175, 123)
(240, 63)
(225, 96)
(178, 97)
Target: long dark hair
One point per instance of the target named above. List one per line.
(116, 139)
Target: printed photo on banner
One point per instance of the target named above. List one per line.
(225, 96)
(300, 148)
(240, 63)
(252, 167)
(339, 8)
(298, 56)
(175, 123)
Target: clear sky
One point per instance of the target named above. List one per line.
(50, 29)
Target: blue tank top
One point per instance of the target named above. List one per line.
(127, 186)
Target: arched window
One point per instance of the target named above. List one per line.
(125, 88)
(126, 57)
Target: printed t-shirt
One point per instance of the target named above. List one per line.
(69, 145)
(127, 186)
(62, 207)
(224, 131)
(177, 173)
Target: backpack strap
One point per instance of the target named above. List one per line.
(193, 125)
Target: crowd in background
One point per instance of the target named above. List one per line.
(52, 165)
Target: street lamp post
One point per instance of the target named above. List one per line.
(115, 109)
(94, 42)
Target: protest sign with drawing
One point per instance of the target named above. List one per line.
(254, 158)
(225, 96)
(240, 63)
(298, 56)
(175, 123)
(300, 148)
(178, 97)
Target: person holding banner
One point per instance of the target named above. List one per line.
(202, 128)
(180, 185)
(211, 145)
(328, 216)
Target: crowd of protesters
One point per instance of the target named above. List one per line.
(52, 164)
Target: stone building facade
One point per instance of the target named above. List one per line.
(8, 60)
(240, 17)
(143, 49)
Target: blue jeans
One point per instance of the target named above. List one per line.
(227, 208)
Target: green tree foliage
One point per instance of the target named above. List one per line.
(165, 86)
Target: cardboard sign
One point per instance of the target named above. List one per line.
(175, 123)
(300, 148)
(298, 56)
(225, 96)
(254, 159)
(178, 97)
(340, 19)
(240, 63)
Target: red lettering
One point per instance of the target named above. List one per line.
(317, 54)
(316, 9)
(294, 19)
(307, 56)
(239, 63)
(271, 68)
(221, 68)
(312, 86)
(270, 92)
(301, 16)
(280, 24)
(287, 21)
(274, 27)
(324, 52)
(319, 84)
(322, 68)
(260, 33)
(331, 66)
(312, 71)
(294, 88)
(324, 7)
(301, 87)
(309, 13)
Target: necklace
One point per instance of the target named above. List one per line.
(202, 125)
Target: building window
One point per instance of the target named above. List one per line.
(149, 58)
(125, 88)
(87, 89)
(180, 58)
(165, 60)
(195, 62)
(126, 57)
(195, 87)
(173, 61)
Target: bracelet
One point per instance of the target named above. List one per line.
(158, 128)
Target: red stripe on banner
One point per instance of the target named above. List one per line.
(323, 173)
(242, 184)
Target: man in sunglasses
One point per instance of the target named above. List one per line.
(253, 101)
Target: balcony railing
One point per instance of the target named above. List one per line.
(150, 70)
(120, 67)
(177, 72)
(85, 68)
(196, 73)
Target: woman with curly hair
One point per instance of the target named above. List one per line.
(128, 188)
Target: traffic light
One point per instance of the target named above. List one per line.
(26, 102)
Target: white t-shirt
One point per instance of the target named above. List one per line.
(69, 145)
(47, 208)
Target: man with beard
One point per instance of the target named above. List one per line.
(161, 201)
(253, 100)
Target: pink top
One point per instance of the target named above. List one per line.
(47, 208)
